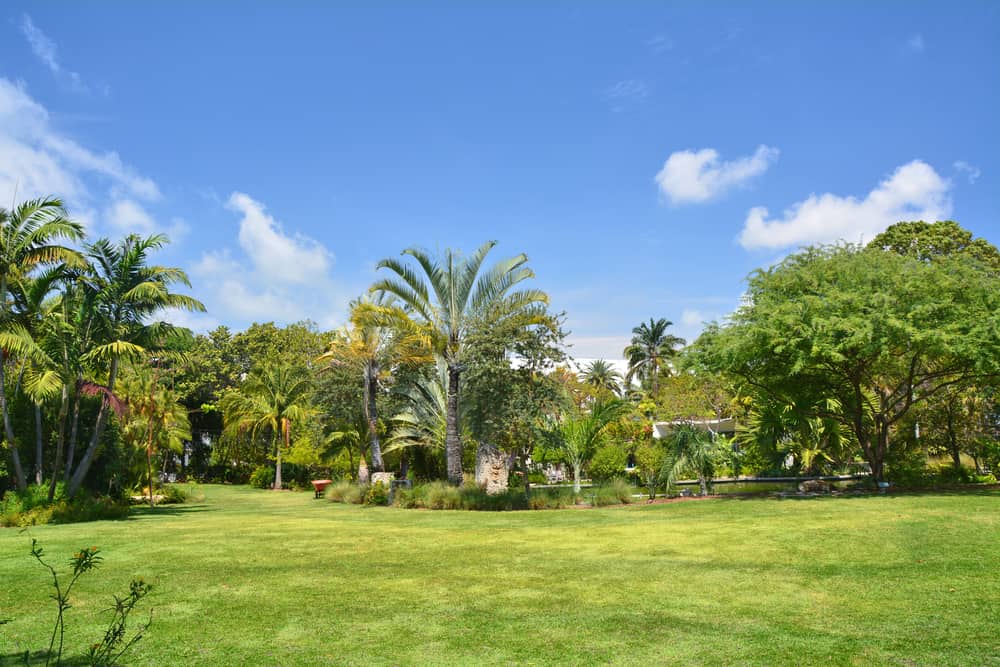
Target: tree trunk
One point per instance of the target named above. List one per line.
(702, 484)
(61, 442)
(452, 440)
(74, 431)
(8, 429)
(576, 477)
(95, 439)
(38, 444)
(371, 410)
(956, 455)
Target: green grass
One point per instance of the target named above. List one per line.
(263, 578)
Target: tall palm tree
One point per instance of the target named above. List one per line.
(126, 292)
(650, 351)
(273, 399)
(374, 350)
(602, 375)
(448, 297)
(29, 235)
(579, 435)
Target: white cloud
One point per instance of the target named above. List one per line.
(915, 43)
(696, 176)
(971, 170)
(128, 217)
(36, 159)
(913, 191)
(45, 50)
(278, 256)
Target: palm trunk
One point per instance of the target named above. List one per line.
(74, 431)
(8, 429)
(452, 441)
(277, 468)
(38, 444)
(95, 439)
(371, 410)
(60, 443)
(576, 477)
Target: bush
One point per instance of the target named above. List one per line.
(175, 494)
(377, 494)
(608, 463)
(346, 492)
(617, 492)
(551, 499)
(404, 498)
(262, 477)
(441, 496)
(14, 512)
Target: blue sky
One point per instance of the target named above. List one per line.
(646, 157)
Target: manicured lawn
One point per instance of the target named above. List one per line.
(263, 578)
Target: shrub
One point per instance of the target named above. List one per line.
(608, 462)
(442, 496)
(346, 492)
(551, 499)
(377, 494)
(404, 498)
(31, 508)
(262, 477)
(617, 492)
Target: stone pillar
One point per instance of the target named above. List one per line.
(491, 469)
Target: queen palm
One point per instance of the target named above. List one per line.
(271, 400)
(602, 375)
(29, 235)
(374, 349)
(650, 352)
(125, 292)
(448, 297)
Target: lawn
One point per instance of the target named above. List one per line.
(264, 578)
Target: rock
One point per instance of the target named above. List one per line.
(491, 469)
(814, 486)
(362, 472)
(384, 477)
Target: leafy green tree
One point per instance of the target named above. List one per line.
(928, 241)
(271, 399)
(649, 458)
(581, 434)
(448, 297)
(650, 352)
(876, 331)
(602, 375)
(374, 351)
(690, 448)
(29, 236)
(125, 293)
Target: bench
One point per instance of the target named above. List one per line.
(320, 486)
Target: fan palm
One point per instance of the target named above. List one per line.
(650, 351)
(125, 292)
(602, 375)
(448, 297)
(374, 349)
(29, 234)
(271, 399)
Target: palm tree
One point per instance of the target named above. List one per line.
(448, 297)
(125, 292)
(580, 435)
(690, 447)
(650, 351)
(602, 375)
(374, 350)
(273, 399)
(28, 236)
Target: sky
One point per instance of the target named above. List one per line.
(646, 156)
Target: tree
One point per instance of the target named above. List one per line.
(272, 398)
(374, 350)
(650, 352)
(579, 435)
(448, 298)
(876, 331)
(689, 447)
(29, 234)
(929, 241)
(602, 375)
(125, 293)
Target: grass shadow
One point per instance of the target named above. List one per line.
(39, 658)
(167, 510)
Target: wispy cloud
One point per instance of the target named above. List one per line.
(625, 94)
(45, 50)
(970, 170)
(659, 43)
(913, 191)
(697, 176)
(915, 43)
